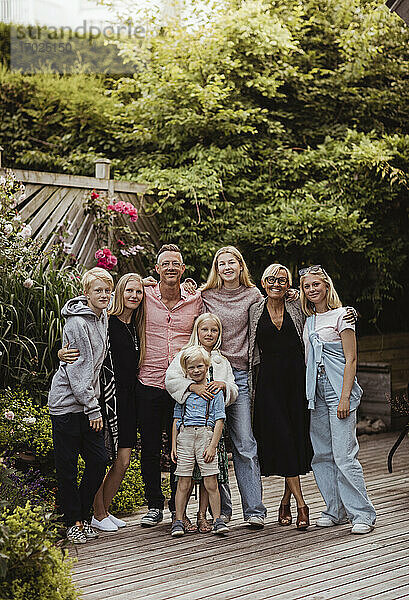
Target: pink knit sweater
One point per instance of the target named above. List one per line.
(232, 307)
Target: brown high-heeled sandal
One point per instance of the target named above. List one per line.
(203, 524)
(303, 518)
(284, 514)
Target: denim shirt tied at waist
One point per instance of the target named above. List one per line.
(331, 355)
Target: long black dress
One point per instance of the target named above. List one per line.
(125, 356)
(281, 416)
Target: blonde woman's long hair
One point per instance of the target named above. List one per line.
(194, 338)
(332, 300)
(215, 281)
(138, 315)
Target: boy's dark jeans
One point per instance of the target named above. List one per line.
(73, 436)
(155, 414)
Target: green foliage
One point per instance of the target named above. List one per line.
(23, 425)
(279, 127)
(131, 493)
(33, 287)
(31, 566)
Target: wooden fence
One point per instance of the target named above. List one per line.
(383, 372)
(52, 198)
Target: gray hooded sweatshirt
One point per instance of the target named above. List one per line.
(75, 387)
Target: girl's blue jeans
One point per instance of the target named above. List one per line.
(337, 471)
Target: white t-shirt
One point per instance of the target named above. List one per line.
(329, 325)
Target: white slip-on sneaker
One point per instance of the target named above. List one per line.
(361, 528)
(105, 525)
(327, 522)
(118, 522)
(256, 522)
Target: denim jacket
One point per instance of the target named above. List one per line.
(331, 355)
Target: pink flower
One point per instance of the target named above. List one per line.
(126, 208)
(120, 242)
(9, 415)
(105, 258)
(94, 195)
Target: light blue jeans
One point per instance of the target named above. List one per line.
(337, 471)
(244, 446)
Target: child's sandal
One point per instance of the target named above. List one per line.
(188, 525)
(203, 524)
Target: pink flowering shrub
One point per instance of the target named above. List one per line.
(114, 224)
(126, 208)
(106, 259)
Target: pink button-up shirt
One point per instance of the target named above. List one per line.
(167, 331)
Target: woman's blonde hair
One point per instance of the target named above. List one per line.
(215, 281)
(192, 353)
(96, 273)
(332, 300)
(194, 338)
(273, 270)
(139, 314)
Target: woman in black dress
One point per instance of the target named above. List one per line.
(126, 349)
(281, 417)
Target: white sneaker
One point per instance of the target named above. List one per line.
(225, 518)
(256, 521)
(118, 522)
(361, 528)
(105, 525)
(327, 522)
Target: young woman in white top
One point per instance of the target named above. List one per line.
(333, 395)
(207, 332)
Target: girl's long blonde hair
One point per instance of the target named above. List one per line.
(333, 300)
(139, 314)
(194, 338)
(215, 281)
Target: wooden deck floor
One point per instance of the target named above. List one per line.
(277, 562)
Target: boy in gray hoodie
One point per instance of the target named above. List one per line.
(73, 404)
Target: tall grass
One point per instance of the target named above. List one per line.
(31, 324)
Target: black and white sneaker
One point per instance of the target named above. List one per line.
(220, 527)
(76, 535)
(152, 517)
(89, 532)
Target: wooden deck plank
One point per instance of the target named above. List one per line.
(277, 562)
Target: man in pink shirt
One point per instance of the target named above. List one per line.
(170, 314)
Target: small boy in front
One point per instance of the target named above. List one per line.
(73, 404)
(197, 428)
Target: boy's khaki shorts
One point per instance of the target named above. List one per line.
(191, 443)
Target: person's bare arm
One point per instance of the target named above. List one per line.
(211, 450)
(173, 453)
(349, 345)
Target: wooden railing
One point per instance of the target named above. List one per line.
(53, 198)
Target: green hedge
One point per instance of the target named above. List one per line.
(31, 566)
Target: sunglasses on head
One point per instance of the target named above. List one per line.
(311, 269)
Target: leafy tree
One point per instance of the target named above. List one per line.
(277, 126)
